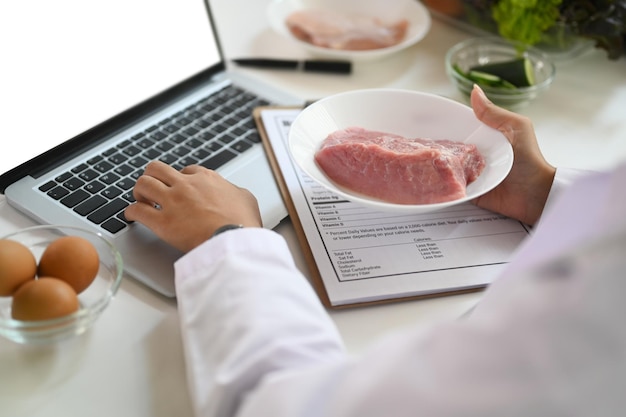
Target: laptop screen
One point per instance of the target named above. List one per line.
(71, 64)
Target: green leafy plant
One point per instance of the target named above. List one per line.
(528, 21)
(525, 20)
(603, 21)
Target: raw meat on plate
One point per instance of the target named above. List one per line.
(399, 170)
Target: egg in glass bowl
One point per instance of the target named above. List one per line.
(510, 74)
(55, 282)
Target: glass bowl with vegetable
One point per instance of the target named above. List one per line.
(510, 74)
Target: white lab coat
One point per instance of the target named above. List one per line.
(547, 339)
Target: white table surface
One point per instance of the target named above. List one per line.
(131, 362)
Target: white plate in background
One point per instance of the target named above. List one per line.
(386, 10)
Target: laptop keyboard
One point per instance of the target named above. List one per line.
(210, 133)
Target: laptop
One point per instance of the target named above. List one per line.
(90, 96)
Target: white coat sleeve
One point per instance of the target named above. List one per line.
(246, 311)
(547, 339)
(563, 179)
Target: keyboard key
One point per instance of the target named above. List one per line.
(177, 138)
(138, 162)
(47, 186)
(123, 170)
(171, 128)
(124, 144)
(74, 198)
(88, 175)
(253, 136)
(168, 158)
(58, 192)
(190, 131)
(78, 168)
(122, 217)
(181, 151)
(109, 152)
(64, 177)
(128, 196)
(165, 122)
(227, 138)
(113, 225)
(108, 210)
(218, 159)
(117, 158)
(73, 183)
(241, 146)
(138, 136)
(151, 154)
(90, 205)
(94, 187)
(109, 178)
(94, 160)
(165, 146)
(103, 166)
(132, 150)
(214, 146)
(145, 143)
(183, 121)
(201, 154)
(111, 192)
(125, 183)
(185, 162)
(135, 175)
(158, 135)
(238, 131)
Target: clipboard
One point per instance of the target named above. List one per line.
(317, 280)
(314, 273)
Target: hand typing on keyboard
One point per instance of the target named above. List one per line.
(210, 132)
(185, 208)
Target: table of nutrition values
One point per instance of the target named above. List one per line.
(362, 242)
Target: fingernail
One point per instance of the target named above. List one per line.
(481, 93)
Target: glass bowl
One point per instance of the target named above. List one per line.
(93, 300)
(489, 50)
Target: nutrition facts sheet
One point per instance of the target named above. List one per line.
(365, 255)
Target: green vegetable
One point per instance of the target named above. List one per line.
(506, 74)
(525, 20)
(518, 72)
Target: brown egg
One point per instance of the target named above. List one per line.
(17, 265)
(42, 299)
(71, 258)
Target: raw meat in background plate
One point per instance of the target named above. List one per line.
(340, 31)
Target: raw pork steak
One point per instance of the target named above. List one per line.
(399, 170)
(346, 32)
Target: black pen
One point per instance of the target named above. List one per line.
(334, 67)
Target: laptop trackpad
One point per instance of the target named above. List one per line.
(257, 177)
(148, 259)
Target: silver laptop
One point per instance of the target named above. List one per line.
(92, 91)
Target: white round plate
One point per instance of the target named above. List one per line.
(401, 112)
(390, 11)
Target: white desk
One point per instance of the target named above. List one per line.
(131, 362)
